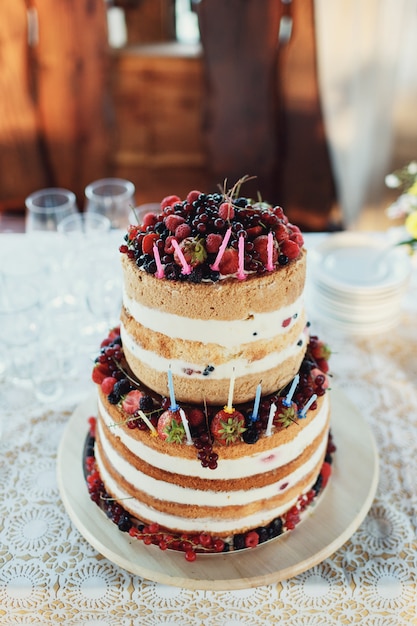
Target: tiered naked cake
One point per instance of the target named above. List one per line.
(213, 416)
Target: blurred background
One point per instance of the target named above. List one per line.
(316, 99)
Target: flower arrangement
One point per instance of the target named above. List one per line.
(405, 206)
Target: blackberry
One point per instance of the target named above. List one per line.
(275, 528)
(251, 435)
(113, 397)
(239, 541)
(328, 458)
(172, 271)
(146, 403)
(122, 387)
(196, 275)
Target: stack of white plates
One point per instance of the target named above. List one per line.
(358, 281)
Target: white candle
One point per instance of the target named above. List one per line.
(174, 406)
(271, 416)
(186, 427)
(241, 272)
(287, 400)
(222, 248)
(229, 407)
(270, 248)
(186, 268)
(303, 413)
(149, 424)
(159, 268)
(255, 411)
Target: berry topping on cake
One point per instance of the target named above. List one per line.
(228, 427)
(200, 224)
(170, 427)
(285, 415)
(131, 402)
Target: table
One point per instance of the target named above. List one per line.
(49, 574)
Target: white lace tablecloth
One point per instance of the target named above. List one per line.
(49, 574)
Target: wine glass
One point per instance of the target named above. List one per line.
(113, 197)
(47, 207)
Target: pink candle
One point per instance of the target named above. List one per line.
(159, 268)
(241, 272)
(186, 269)
(222, 248)
(270, 249)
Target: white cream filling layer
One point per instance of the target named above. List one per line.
(182, 495)
(228, 468)
(234, 366)
(225, 333)
(212, 525)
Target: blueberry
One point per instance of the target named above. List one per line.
(124, 523)
(317, 485)
(113, 397)
(283, 259)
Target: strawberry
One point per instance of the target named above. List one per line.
(261, 247)
(169, 201)
(254, 231)
(285, 415)
(148, 241)
(172, 221)
(319, 349)
(227, 428)
(229, 262)
(226, 211)
(193, 195)
(195, 418)
(108, 384)
(213, 243)
(170, 427)
(182, 232)
(149, 219)
(193, 250)
(130, 403)
(99, 373)
(290, 249)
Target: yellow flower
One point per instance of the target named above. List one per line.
(413, 189)
(411, 224)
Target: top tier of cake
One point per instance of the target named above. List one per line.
(213, 290)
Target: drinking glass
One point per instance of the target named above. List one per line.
(47, 207)
(112, 197)
(86, 224)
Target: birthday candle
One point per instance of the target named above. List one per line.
(303, 412)
(270, 245)
(186, 268)
(186, 427)
(222, 248)
(272, 411)
(287, 400)
(241, 272)
(174, 406)
(255, 411)
(229, 407)
(159, 268)
(149, 424)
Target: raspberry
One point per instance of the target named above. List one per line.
(149, 219)
(213, 242)
(169, 201)
(182, 232)
(229, 262)
(193, 195)
(98, 375)
(173, 221)
(251, 539)
(226, 211)
(326, 470)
